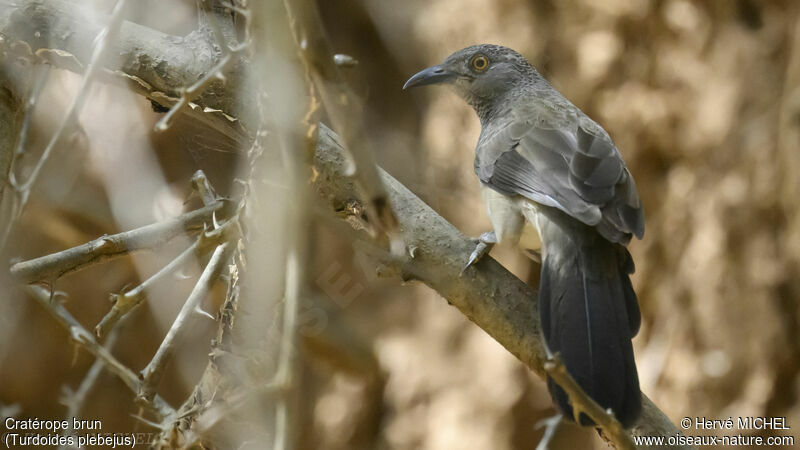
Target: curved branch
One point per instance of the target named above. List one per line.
(488, 294)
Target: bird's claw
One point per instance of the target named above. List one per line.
(485, 243)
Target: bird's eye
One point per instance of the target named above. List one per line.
(480, 63)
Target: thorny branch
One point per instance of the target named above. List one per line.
(128, 300)
(151, 375)
(108, 35)
(9, 157)
(82, 337)
(74, 400)
(51, 267)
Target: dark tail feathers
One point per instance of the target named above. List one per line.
(589, 315)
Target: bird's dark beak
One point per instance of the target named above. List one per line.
(431, 75)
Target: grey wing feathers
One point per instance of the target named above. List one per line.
(582, 174)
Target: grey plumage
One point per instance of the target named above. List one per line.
(562, 173)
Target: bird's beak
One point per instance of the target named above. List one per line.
(431, 75)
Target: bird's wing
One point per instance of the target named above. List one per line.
(578, 171)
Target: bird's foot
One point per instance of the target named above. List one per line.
(485, 243)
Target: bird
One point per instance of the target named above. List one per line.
(542, 162)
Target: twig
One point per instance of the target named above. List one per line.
(74, 400)
(550, 427)
(284, 376)
(85, 339)
(127, 301)
(51, 267)
(10, 204)
(345, 110)
(42, 76)
(151, 375)
(108, 34)
(582, 403)
(203, 188)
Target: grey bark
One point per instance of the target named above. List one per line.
(153, 63)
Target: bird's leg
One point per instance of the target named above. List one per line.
(485, 243)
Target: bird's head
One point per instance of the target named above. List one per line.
(480, 73)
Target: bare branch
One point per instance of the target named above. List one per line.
(153, 64)
(85, 339)
(53, 266)
(74, 400)
(488, 294)
(107, 35)
(151, 375)
(127, 301)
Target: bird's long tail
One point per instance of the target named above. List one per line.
(589, 315)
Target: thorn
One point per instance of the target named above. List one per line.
(180, 275)
(200, 311)
(342, 60)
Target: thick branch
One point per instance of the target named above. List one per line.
(154, 64)
(582, 403)
(487, 293)
(53, 266)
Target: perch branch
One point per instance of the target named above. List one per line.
(488, 294)
(53, 266)
(85, 339)
(582, 403)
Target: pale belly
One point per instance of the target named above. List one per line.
(515, 219)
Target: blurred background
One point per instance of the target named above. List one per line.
(702, 99)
